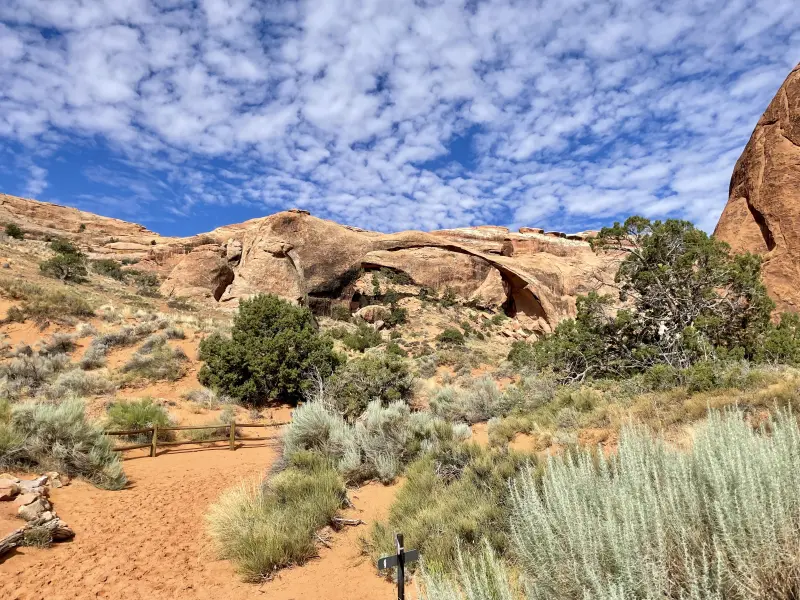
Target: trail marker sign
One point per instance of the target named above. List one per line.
(399, 560)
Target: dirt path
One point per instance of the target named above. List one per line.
(148, 541)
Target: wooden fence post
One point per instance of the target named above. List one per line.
(233, 434)
(154, 446)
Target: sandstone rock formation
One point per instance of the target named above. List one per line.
(531, 275)
(763, 211)
(204, 272)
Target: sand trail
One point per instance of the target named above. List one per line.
(148, 541)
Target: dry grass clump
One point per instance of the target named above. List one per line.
(263, 526)
(206, 399)
(45, 304)
(78, 383)
(156, 361)
(220, 428)
(94, 357)
(60, 343)
(456, 497)
(28, 372)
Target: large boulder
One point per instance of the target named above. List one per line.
(763, 210)
(202, 273)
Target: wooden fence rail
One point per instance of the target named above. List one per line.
(153, 444)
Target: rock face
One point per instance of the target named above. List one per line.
(204, 272)
(763, 211)
(531, 275)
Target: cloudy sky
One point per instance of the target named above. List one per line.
(387, 114)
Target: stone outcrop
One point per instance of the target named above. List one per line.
(531, 275)
(204, 272)
(763, 210)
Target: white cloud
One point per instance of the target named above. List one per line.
(576, 111)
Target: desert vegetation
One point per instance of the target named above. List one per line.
(48, 437)
(272, 348)
(717, 521)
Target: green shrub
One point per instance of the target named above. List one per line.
(782, 342)
(262, 527)
(138, 414)
(521, 354)
(394, 349)
(59, 438)
(448, 298)
(719, 521)
(146, 283)
(273, 348)
(62, 246)
(378, 377)
(362, 338)
(687, 300)
(449, 500)
(66, 267)
(109, 268)
(398, 277)
(14, 231)
(56, 306)
(341, 312)
(450, 337)
(397, 316)
(15, 315)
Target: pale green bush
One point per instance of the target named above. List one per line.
(720, 521)
(480, 577)
(94, 357)
(26, 374)
(78, 383)
(317, 428)
(480, 401)
(381, 442)
(60, 438)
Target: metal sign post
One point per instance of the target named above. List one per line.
(399, 560)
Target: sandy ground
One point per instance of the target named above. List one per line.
(148, 541)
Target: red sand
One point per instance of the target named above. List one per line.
(148, 541)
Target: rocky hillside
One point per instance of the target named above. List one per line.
(763, 210)
(531, 275)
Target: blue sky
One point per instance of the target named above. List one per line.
(563, 114)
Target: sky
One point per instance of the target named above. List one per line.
(386, 114)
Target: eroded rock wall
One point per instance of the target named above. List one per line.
(763, 211)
